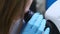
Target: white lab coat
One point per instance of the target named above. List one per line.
(53, 14)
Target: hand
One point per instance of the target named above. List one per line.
(36, 25)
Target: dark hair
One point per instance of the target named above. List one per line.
(10, 10)
(33, 6)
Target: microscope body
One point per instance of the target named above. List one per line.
(53, 14)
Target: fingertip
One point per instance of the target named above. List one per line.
(34, 18)
(47, 31)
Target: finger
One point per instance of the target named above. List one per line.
(34, 18)
(47, 31)
(37, 23)
(42, 26)
(31, 21)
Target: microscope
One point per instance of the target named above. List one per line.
(52, 15)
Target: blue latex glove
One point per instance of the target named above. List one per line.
(36, 25)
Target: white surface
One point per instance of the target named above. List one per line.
(53, 14)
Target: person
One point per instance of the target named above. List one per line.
(53, 14)
(16, 29)
(12, 14)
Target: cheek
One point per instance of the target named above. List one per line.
(26, 9)
(28, 4)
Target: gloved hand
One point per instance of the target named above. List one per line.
(36, 25)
